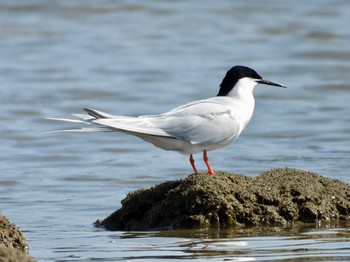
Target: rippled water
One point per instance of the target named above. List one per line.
(128, 57)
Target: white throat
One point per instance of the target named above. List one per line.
(243, 88)
(244, 102)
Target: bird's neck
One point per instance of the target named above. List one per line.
(243, 90)
(244, 102)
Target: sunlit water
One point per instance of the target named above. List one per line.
(128, 57)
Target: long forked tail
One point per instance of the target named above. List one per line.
(103, 122)
(84, 119)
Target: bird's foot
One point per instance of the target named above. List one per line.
(206, 161)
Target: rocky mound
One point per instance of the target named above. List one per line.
(10, 236)
(13, 255)
(276, 197)
(13, 246)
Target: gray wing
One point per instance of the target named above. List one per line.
(203, 122)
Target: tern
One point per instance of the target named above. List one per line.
(199, 126)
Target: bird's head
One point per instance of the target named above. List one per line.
(242, 77)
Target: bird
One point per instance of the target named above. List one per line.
(198, 126)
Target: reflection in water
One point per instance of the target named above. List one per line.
(267, 243)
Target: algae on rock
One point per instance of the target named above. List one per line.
(277, 197)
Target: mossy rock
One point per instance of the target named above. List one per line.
(13, 245)
(8, 254)
(277, 197)
(11, 236)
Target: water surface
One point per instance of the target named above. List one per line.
(132, 58)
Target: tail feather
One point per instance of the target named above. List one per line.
(67, 120)
(83, 129)
(132, 125)
(97, 114)
(84, 117)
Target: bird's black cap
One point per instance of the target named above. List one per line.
(238, 72)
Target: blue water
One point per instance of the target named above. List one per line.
(130, 58)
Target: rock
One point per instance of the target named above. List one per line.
(13, 246)
(10, 236)
(277, 197)
(13, 255)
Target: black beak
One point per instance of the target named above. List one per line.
(270, 83)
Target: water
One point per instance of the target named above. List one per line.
(128, 57)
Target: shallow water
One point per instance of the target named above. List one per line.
(132, 58)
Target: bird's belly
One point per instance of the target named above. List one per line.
(181, 146)
(172, 144)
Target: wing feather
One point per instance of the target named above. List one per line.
(200, 122)
(132, 125)
(197, 123)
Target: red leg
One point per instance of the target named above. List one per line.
(206, 161)
(193, 165)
